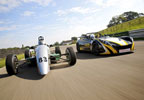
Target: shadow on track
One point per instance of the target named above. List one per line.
(88, 55)
(28, 72)
(31, 72)
(4, 76)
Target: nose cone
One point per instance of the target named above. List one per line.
(43, 68)
(42, 59)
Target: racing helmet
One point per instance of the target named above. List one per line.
(40, 40)
(92, 36)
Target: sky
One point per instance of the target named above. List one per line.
(23, 21)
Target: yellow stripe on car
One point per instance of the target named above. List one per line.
(111, 48)
(132, 48)
(105, 53)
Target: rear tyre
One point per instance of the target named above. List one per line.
(27, 53)
(12, 64)
(71, 56)
(58, 51)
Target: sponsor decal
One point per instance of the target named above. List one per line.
(124, 50)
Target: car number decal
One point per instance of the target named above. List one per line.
(42, 59)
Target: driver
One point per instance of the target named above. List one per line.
(92, 36)
(41, 40)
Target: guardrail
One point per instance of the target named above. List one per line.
(137, 33)
(134, 33)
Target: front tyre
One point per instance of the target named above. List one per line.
(78, 48)
(12, 64)
(95, 49)
(71, 56)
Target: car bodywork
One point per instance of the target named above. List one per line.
(105, 45)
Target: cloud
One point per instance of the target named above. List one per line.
(28, 13)
(8, 28)
(98, 2)
(76, 26)
(40, 2)
(61, 12)
(54, 4)
(7, 5)
(79, 10)
(83, 10)
(116, 3)
(2, 22)
(6, 22)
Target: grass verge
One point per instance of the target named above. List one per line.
(134, 24)
(2, 61)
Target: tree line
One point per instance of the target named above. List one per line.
(126, 16)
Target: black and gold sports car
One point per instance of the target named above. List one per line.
(105, 45)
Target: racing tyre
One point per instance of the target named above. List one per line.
(95, 48)
(71, 56)
(57, 50)
(78, 48)
(27, 53)
(12, 64)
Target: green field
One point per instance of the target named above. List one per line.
(2, 61)
(134, 24)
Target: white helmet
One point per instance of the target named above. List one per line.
(40, 40)
(92, 36)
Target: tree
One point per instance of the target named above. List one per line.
(126, 16)
(22, 46)
(130, 15)
(56, 43)
(74, 38)
(113, 21)
(27, 46)
(141, 14)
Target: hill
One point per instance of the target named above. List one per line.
(134, 24)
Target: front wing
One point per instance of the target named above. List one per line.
(109, 49)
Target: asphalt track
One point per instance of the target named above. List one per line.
(118, 77)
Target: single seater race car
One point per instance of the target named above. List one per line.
(41, 57)
(105, 45)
